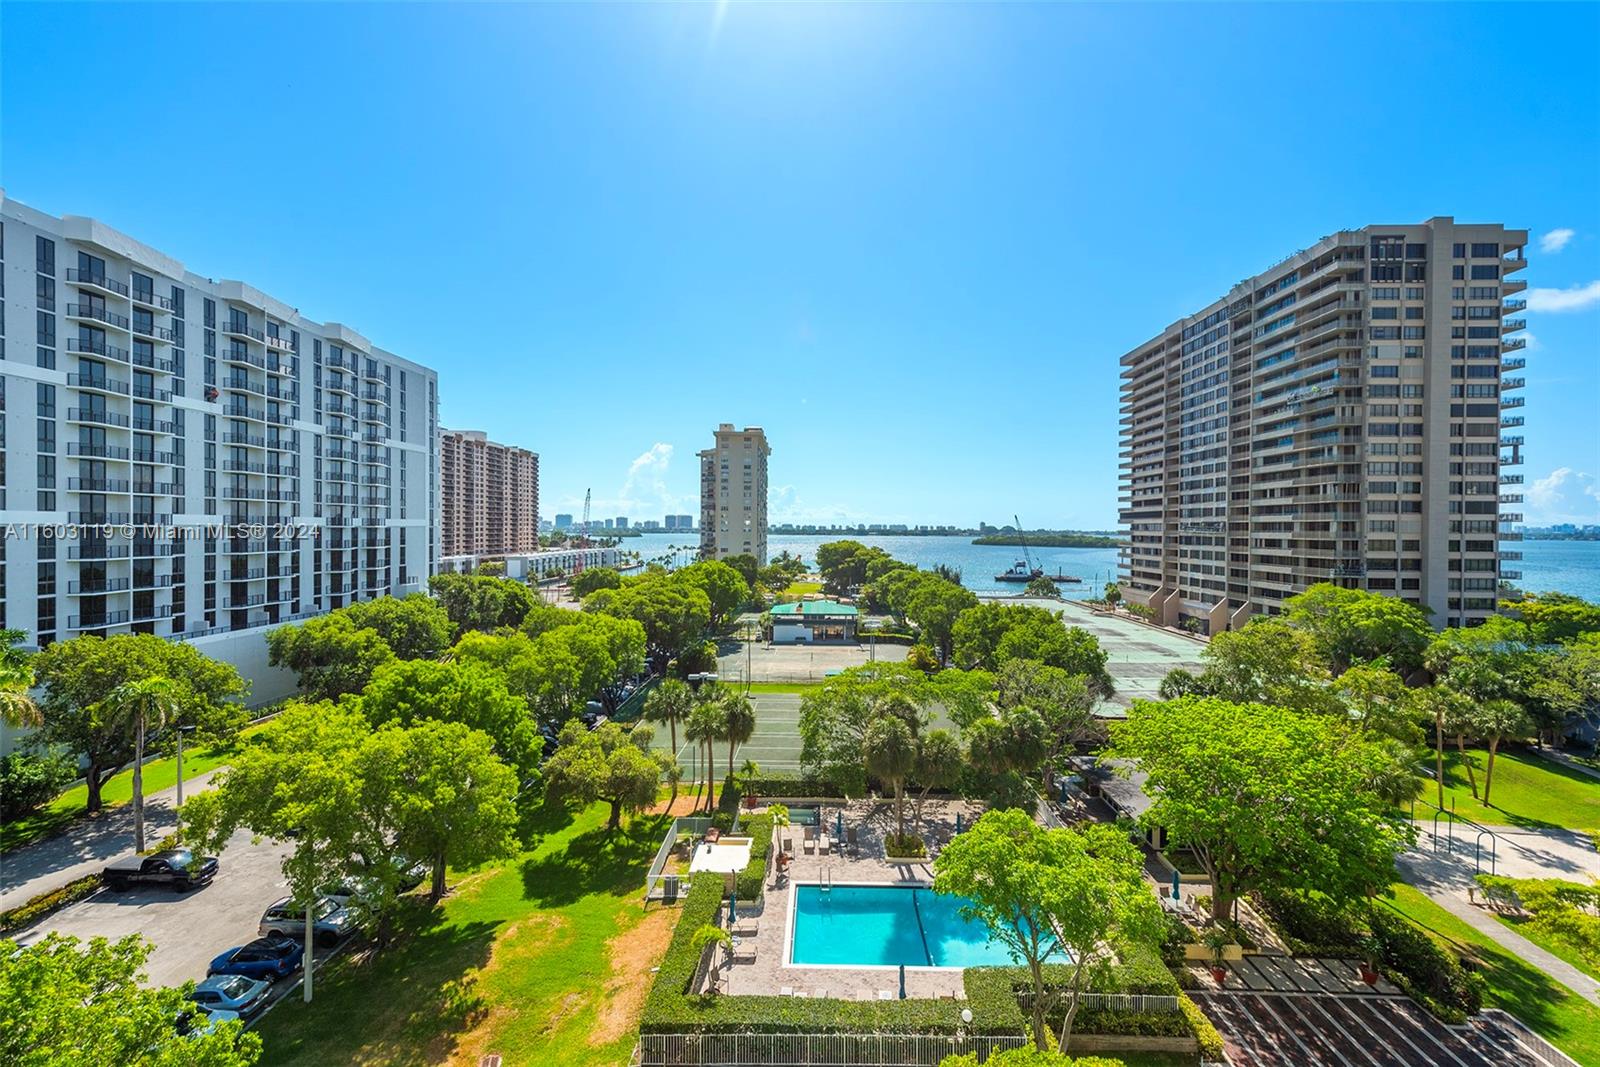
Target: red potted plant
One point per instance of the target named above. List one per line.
(1216, 939)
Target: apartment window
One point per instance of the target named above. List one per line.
(45, 325)
(1458, 273)
(1485, 271)
(209, 317)
(1386, 313)
(1414, 293)
(44, 255)
(1485, 251)
(1384, 372)
(1413, 313)
(1459, 250)
(1413, 333)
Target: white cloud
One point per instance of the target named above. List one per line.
(1573, 298)
(1564, 495)
(1556, 240)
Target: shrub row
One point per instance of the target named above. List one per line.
(25, 914)
(888, 638)
(1205, 1033)
(1125, 1023)
(753, 879)
(777, 784)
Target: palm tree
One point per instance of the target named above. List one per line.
(1497, 721)
(703, 728)
(670, 702)
(890, 753)
(145, 703)
(738, 723)
(16, 679)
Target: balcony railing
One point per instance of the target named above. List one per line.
(98, 418)
(98, 381)
(96, 622)
(98, 314)
(79, 448)
(1513, 306)
(97, 279)
(96, 346)
(97, 485)
(97, 585)
(243, 329)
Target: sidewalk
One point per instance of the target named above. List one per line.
(87, 845)
(1445, 878)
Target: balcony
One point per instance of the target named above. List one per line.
(96, 346)
(98, 383)
(241, 354)
(1513, 325)
(1508, 422)
(97, 418)
(241, 467)
(94, 313)
(97, 280)
(165, 366)
(244, 384)
(93, 586)
(242, 411)
(1511, 344)
(280, 344)
(148, 298)
(1511, 402)
(243, 329)
(98, 518)
(79, 448)
(1507, 575)
(159, 333)
(150, 455)
(149, 425)
(1511, 479)
(1514, 363)
(157, 489)
(97, 485)
(155, 611)
(1513, 383)
(244, 439)
(97, 621)
(96, 550)
(1511, 307)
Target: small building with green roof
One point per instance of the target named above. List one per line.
(809, 622)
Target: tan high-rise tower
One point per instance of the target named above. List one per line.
(733, 494)
(1347, 415)
(488, 496)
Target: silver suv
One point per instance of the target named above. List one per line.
(330, 923)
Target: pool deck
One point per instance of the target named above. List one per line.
(769, 973)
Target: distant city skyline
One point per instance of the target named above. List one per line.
(916, 270)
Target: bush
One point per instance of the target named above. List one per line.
(908, 847)
(1029, 1057)
(28, 780)
(42, 905)
(1204, 1032)
(779, 785)
(751, 881)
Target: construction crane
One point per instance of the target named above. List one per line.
(1026, 557)
(583, 560)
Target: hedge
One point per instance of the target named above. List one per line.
(1204, 1032)
(753, 879)
(45, 903)
(779, 785)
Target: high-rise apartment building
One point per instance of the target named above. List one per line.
(733, 494)
(563, 521)
(488, 496)
(190, 457)
(680, 522)
(1348, 415)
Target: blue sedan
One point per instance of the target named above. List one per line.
(268, 958)
(232, 992)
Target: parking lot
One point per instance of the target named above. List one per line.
(188, 929)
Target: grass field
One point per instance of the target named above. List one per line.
(544, 959)
(1528, 792)
(1560, 1015)
(1557, 947)
(56, 816)
(802, 588)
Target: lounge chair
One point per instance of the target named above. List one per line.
(744, 951)
(825, 844)
(819, 994)
(885, 994)
(745, 928)
(786, 991)
(810, 843)
(852, 838)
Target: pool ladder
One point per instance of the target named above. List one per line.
(827, 876)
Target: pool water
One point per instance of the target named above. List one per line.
(885, 926)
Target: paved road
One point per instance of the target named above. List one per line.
(87, 845)
(188, 928)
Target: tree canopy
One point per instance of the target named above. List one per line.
(1266, 797)
(993, 634)
(80, 675)
(64, 1003)
(603, 764)
(409, 692)
(330, 655)
(674, 612)
(591, 579)
(725, 588)
(476, 602)
(414, 627)
(1350, 626)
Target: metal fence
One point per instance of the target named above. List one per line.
(683, 824)
(814, 1050)
(1151, 1002)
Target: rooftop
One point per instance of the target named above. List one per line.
(815, 607)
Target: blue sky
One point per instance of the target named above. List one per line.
(910, 241)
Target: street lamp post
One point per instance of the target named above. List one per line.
(181, 731)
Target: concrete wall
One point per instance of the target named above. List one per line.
(246, 650)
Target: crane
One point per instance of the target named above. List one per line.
(1022, 537)
(583, 560)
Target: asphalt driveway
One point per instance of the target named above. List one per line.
(188, 929)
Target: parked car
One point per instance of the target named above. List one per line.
(177, 868)
(232, 992)
(329, 922)
(200, 1021)
(265, 957)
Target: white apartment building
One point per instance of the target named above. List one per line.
(733, 494)
(1348, 415)
(192, 458)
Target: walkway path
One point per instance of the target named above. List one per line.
(1446, 876)
(87, 845)
(1563, 760)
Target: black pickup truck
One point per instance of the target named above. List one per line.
(177, 868)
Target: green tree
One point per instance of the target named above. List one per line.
(1180, 683)
(738, 723)
(1064, 702)
(1350, 626)
(414, 627)
(17, 707)
(1113, 593)
(671, 702)
(1267, 661)
(447, 795)
(1051, 896)
(707, 935)
(1378, 702)
(63, 1004)
(939, 763)
(409, 692)
(934, 606)
(329, 654)
(890, 752)
(1498, 721)
(1442, 706)
(1266, 797)
(592, 579)
(835, 715)
(474, 602)
(79, 675)
(747, 566)
(544, 617)
(725, 588)
(992, 634)
(674, 614)
(706, 726)
(143, 704)
(603, 764)
(1555, 618)
(1042, 586)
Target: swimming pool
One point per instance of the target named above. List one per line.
(885, 926)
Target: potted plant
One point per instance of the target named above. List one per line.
(1369, 960)
(1216, 939)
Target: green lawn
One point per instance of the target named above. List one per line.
(1564, 1018)
(802, 588)
(1528, 792)
(783, 687)
(1557, 947)
(545, 959)
(56, 816)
